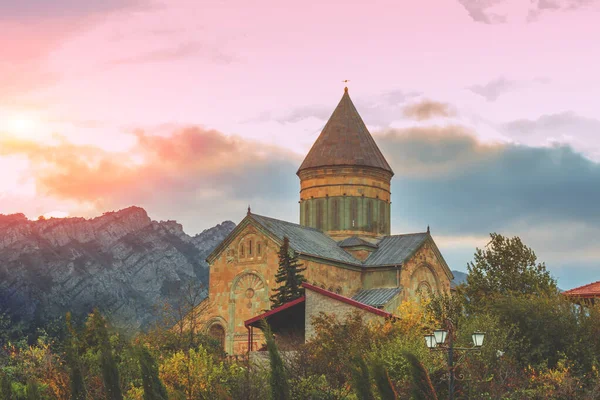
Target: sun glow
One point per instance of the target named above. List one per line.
(22, 126)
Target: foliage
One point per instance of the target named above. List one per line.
(506, 267)
(288, 276)
(110, 373)
(33, 390)
(361, 380)
(280, 387)
(383, 382)
(422, 388)
(6, 392)
(153, 387)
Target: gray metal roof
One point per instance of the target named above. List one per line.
(355, 241)
(306, 240)
(394, 250)
(376, 297)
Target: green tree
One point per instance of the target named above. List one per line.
(6, 392)
(289, 276)
(33, 390)
(72, 358)
(110, 373)
(422, 388)
(506, 267)
(280, 386)
(383, 382)
(361, 380)
(153, 387)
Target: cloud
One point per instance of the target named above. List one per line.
(38, 9)
(181, 51)
(560, 128)
(494, 89)
(447, 178)
(500, 11)
(191, 175)
(427, 109)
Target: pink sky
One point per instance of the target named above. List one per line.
(89, 90)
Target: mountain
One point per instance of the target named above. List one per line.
(459, 277)
(122, 262)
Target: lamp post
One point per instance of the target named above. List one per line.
(437, 341)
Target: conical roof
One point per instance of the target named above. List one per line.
(345, 140)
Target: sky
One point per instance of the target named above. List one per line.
(487, 110)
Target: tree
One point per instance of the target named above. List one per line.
(383, 382)
(6, 392)
(33, 390)
(289, 276)
(361, 380)
(110, 373)
(153, 387)
(506, 266)
(422, 388)
(280, 387)
(72, 358)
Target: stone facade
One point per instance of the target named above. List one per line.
(317, 303)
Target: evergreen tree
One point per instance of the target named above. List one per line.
(361, 380)
(110, 373)
(289, 277)
(72, 358)
(33, 391)
(383, 382)
(153, 387)
(280, 386)
(422, 388)
(6, 392)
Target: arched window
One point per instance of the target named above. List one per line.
(353, 213)
(242, 254)
(249, 248)
(382, 226)
(306, 213)
(258, 249)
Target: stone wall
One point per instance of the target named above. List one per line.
(317, 303)
(424, 270)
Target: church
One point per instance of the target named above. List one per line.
(343, 238)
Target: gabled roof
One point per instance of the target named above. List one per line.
(266, 315)
(353, 241)
(376, 297)
(586, 291)
(396, 249)
(306, 240)
(347, 300)
(345, 140)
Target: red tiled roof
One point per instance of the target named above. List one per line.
(345, 141)
(347, 300)
(273, 311)
(589, 290)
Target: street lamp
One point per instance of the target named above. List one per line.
(437, 340)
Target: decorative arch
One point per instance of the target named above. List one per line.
(215, 327)
(424, 277)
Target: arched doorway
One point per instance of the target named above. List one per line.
(217, 331)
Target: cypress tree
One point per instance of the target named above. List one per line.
(361, 380)
(153, 387)
(280, 386)
(382, 380)
(422, 388)
(289, 277)
(6, 392)
(110, 373)
(33, 391)
(72, 358)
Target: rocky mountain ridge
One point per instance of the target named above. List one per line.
(123, 262)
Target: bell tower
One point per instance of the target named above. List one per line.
(345, 180)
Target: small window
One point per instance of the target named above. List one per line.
(250, 247)
(242, 250)
(258, 249)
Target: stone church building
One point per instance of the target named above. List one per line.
(343, 237)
